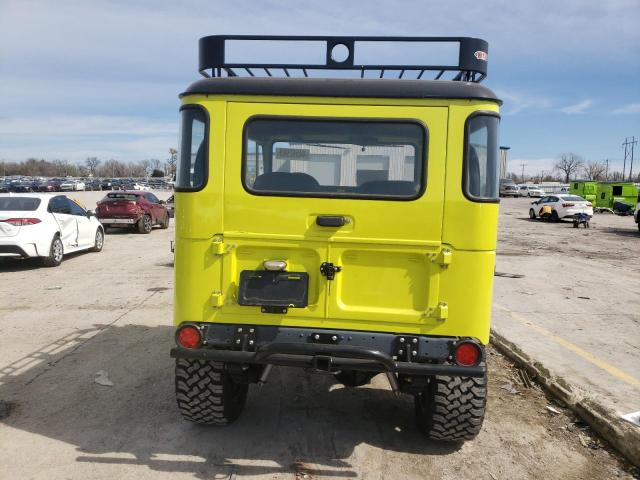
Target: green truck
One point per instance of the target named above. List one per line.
(585, 189)
(611, 192)
(606, 194)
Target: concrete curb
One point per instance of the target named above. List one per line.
(622, 435)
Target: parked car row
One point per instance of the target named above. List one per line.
(513, 190)
(27, 184)
(49, 226)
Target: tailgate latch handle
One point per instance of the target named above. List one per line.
(329, 270)
(330, 220)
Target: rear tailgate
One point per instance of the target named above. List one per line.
(115, 208)
(387, 251)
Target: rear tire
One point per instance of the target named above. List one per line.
(554, 217)
(206, 393)
(56, 252)
(532, 214)
(165, 223)
(145, 225)
(452, 409)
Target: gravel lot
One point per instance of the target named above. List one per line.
(111, 311)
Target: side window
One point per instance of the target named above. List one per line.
(617, 190)
(480, 176)
(76, 209)
(59, 205)
(192, 155)
(151, 197)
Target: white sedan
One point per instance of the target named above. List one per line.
(72, 185)
(46, 226)
(562, 206)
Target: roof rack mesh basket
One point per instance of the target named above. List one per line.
(340, 56)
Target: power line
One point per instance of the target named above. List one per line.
(628, 153)
(523, 165)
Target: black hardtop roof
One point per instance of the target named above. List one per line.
(342, 87)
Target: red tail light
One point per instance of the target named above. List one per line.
(20, 222)
(467, 354)
(589, 204)
(188, 336)
(565, 205)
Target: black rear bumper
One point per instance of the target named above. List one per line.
(329, 350)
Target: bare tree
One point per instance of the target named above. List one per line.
(569, 164)
(594, 170)
(92, 164)
(146, 167)
(171, 162)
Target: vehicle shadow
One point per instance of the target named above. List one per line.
(624, 232)
(26, 264)
(297, 423)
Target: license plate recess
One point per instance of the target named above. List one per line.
(266, 288)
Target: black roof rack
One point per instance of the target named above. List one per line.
(471, 66)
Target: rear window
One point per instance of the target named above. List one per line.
(335, 158)
(480, 179)
(19, 204)
(572, 198)
(111, 197)
(616, 190)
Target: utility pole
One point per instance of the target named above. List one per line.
(606, 169)
(523, 165)
(628, 152)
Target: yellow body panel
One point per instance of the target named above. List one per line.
(423, 266)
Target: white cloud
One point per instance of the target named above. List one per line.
(630, 108)
(84, 125)
(517, 101)
(119, 61)
(578, 108)
(76, 137)
(532, 166)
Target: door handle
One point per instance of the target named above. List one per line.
(330, 220)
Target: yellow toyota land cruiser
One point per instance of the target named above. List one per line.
(343, 225)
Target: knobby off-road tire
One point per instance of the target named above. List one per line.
(452, 409)
(206, 393)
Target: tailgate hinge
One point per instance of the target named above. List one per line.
(217, 299)
(443, 258)
(219, 247)
(440, 312)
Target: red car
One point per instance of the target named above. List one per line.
(136, 209)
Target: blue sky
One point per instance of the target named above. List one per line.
(101, 78)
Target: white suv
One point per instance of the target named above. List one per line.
(531, 191)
